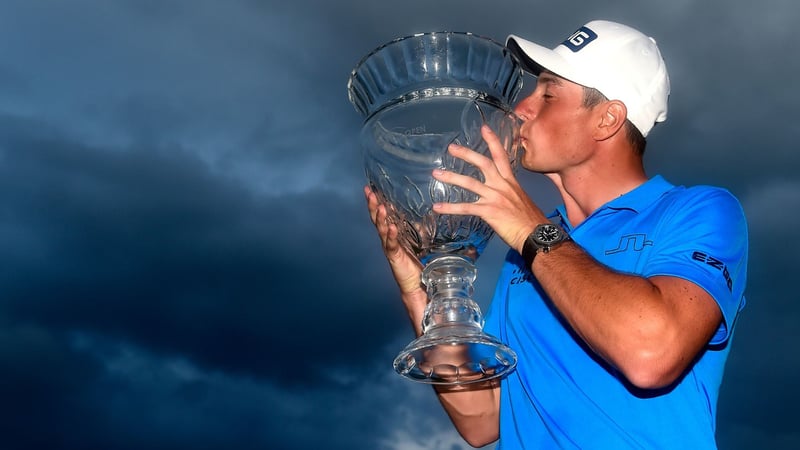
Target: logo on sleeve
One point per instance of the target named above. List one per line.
(717, 264)
(579, 39)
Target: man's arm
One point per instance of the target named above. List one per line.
(651, 329)
(474, 408)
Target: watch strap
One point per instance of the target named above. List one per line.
(529, 250)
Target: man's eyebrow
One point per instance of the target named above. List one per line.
(546, 77)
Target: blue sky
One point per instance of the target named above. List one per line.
(187, 260)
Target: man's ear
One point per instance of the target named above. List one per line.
(612, 117)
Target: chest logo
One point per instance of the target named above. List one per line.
(636, 242)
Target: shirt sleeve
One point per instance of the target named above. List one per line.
(704, 240)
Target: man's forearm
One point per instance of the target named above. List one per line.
(602, 306)
(415, 303)
(474, 410)
(629, 321)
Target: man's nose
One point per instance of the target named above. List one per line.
(525, 109)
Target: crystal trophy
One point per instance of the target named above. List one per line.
(418, 94)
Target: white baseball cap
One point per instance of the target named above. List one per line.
(617, 60)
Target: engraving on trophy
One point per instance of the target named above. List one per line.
(419, 129)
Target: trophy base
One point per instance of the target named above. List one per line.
(455, 354)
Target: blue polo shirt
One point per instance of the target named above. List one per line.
(562, 395)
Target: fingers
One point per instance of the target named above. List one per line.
(387, 231)
(382, 220)
(405, 267)
(467, 182)
(466, 209)
(498, 152)
(372, 203)
(499, 162)
(471, 156)
(497, 171)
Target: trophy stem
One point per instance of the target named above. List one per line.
(453, 348)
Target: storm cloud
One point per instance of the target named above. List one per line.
(187, 259)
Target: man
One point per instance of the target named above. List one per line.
(631, 288)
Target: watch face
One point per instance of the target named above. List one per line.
(547, 234)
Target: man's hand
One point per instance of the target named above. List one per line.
(502, 203)
(407, 269)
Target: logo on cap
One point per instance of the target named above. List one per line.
(579, 39)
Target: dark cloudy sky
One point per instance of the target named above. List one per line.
(186, 258)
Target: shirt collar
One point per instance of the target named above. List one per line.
(635, 200)
(643, 196)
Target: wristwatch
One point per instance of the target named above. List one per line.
(544, 238)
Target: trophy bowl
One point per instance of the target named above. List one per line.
(419, 94)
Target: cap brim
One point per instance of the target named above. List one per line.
(536, 58)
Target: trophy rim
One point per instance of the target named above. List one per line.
(417, 35)
(367, 112)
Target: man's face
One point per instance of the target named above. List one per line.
(556, 132)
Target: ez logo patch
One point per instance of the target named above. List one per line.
(717, 264)
(580, 39)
